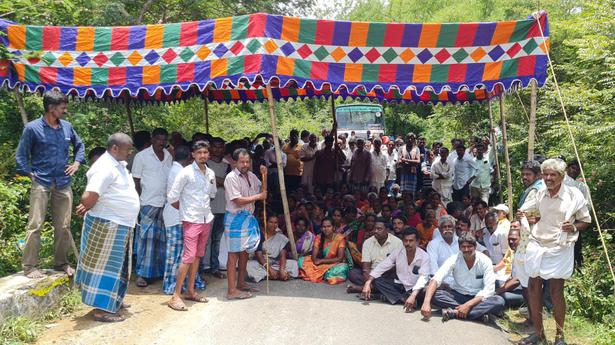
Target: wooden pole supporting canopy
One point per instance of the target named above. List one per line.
(494, 147)
(278, 158)
(206, 109)
(129, 113)
(506, 158)
(532, 129)
(21, 106)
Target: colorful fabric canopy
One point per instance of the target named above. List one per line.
(454, 62)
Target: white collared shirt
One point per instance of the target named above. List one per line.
(170, 215)
(379, 167)
(374, 252)
(194, 189)
(464, 169)
(153, 174)
(567, 205)
(476, 281)
(439, 251)
(413, 276)
(118, 200)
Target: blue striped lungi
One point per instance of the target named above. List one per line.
(102, 271)
(175, 248)
(151, 247)
(241, 231)
(407, 182)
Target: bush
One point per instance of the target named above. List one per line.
(590, 293)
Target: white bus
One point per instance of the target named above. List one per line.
(360, 118)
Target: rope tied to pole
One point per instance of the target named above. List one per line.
(576, 152)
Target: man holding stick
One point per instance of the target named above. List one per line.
(242, 190)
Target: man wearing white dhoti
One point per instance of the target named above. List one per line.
(561, 212)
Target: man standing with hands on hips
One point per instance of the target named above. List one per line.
(242, 190)
(43, 155)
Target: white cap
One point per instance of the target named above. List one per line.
(501, 207)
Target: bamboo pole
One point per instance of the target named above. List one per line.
(21, 106)
(494, 147)
(334, 134)
(506, 158)
(278, 158)
(264, 177)
(532, 129)
(129, 113)
(206, 108)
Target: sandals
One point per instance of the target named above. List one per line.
(197, 298)
(108, 317)
(533, 340)
(177, 304)
(243, 295)
(125, 305)
(248, 289)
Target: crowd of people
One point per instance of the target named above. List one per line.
(400, 221)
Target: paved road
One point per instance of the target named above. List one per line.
(295, 312)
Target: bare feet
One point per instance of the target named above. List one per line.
(353, 289)
(35, 274)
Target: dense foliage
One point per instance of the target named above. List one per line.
(583, 50)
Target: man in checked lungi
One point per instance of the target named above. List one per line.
(191, 193)
(150, 170)
(173, 227)
(110, 204)
(242, 190)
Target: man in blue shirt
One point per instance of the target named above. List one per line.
(43, 155)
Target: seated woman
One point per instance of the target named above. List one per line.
(304, 237)
(329, 260)
(413, 216)
(280, 268)
(426, 228)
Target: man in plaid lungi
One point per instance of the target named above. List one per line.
(110, 204)
(150, 170)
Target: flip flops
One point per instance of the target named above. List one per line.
(243, 295)
(108, 317)
(249, 289)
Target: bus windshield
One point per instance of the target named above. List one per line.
(359, 117)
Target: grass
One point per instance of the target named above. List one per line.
(21, 330)
(578, 331)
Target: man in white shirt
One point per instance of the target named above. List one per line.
(472, 293)
(218, 205)
(379, 168)
(465, 171)
(411, 265)
(549, 255)
(442, 176)
(173, 226)
(110, 205)
(481, 186)
(307, 155)
(375, 249)
(191, 193)
(494, 238)
(443, 247)
(392, 157)
(150, 170)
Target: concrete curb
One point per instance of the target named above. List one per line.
(21, 296)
